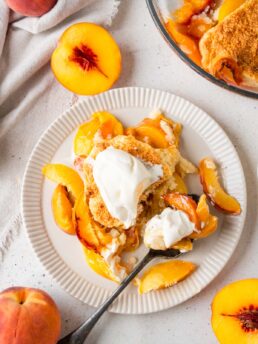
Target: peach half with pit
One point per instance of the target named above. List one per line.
(235, 313)
(87, 60)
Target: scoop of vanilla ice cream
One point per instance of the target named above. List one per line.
(167, 228)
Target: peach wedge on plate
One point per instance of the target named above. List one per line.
(164, 275)
(213, 189)
(87, 59)
(102, 124)
(70, 187)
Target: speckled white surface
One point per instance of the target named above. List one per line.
(147, 61)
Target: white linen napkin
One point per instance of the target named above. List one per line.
(28, 90)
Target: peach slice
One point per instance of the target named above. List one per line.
(89, 232)
(235, 313)
(97, 263)
(184, 203)
(198, 27)
(65, 176)
(214, 191)
(63, 211)
(159, 132)
(151, 135)
(189, 8)
(181, 186)
(164, 275)
(103, 124)
(208, 221)
(209, 228)
(227, 7)
(185, 43)
(184, 245)
(87, 59)
(202, 210)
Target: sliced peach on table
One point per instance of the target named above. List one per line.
(185, 43)
(103, 124)
(227, 7)
(213, 189)
(65, 176)
(87, 60)
(235, 313)
(185, 203)
(63, 210)
(164, 275)
(88, 231)
(97, 263)
(180, 184)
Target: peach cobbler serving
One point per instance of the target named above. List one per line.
(221, 36)
(128, 188)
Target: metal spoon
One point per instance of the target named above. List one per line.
(79, 335)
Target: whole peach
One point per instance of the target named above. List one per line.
(31, 8)
(28, 316)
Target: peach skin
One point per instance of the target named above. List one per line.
(28, 316)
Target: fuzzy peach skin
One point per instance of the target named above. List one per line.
(31, 8)
(28, 316)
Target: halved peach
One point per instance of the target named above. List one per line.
(164, 275)
(227, 7)
(63, 211)
(87, 59)
(65, 176)
(213, 189)
(181, 186)
(97, 263)
(89, 232)
(184, 203)
(103, 124)
(235, 313)
(185, 43)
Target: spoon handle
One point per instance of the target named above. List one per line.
(78, 336)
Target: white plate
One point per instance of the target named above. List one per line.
(62, 255)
